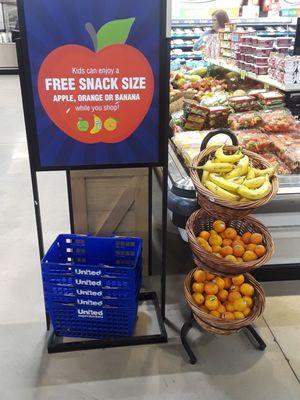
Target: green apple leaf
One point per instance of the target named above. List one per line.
(114, 32)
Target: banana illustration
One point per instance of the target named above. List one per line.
(256, 194)
(255, 183)
(205, 176)
(97, 125)
(268, 171)
(223, 183)
(232, 158)
(217, 190)
(216, 167)
(241, 168)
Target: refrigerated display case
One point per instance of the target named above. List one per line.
(282, 215)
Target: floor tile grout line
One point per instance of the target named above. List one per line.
(281, 349)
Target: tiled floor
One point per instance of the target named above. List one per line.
(228, 367)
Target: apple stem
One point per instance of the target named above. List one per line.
(93, 34)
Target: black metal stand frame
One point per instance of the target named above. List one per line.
(188, 325)
(56, 344)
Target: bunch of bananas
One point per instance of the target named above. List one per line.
(233, 178)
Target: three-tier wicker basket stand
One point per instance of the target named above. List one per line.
(236, 216)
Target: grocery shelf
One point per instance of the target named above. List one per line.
(182, 46)
(259, 78)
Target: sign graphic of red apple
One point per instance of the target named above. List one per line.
(97, 96)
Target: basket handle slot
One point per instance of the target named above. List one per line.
(211, 134)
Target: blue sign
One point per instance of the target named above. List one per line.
(94, 69)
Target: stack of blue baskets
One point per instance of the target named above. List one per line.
(92, 284)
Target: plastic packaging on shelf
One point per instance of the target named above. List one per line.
(274, 159)
(243, 103)
(262, 51)
(244, 120)
(271, 99)
(279, 120)
(284, 41)
(254, 140)
(261, 69)
(217, 117)
(291, 158)
(264, 42)
(258, 60)
(249, 58)
(256, 92)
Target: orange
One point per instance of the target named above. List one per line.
(203, 308)
(204, 244)
(220, 282)
(247, 311)
(209, 277)
(238, 315)
(238, 280)
(216, 249)
(215, 313)
(226, 242)
(237, 243)
(234, 296)
(240, 305)
(256, 238)
(260, 250)
(230, 233)
(199, 275)
(219, 226)
(205, 235)
(211, 288)
(251, 246)
(212, 232)
(228, 282)
(225, 251)
(221, 309)
(238, 250)
(246, 237)
(247, 289)
(222, 295)
(249, 255)
(239, 259)
(239, 238)
(212, 303)
(198, 287)
(230, 257)
(228, 315)
(222, 234)
(217, 255)
(215, 240)
(198, 298)
(249, 301)
(229, 306)
(234, 288)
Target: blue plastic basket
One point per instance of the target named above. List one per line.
(100, 276)
(92, 322)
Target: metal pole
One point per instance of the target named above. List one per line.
(70, 201)
(150, 221)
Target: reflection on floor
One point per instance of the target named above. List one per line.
(228, 367)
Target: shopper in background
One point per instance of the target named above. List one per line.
(219, 19)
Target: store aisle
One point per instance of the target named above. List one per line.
(229, 368)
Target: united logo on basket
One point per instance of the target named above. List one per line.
(82, 313)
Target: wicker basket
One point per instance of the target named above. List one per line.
(217, 206)
(222, 326)
(200, 221)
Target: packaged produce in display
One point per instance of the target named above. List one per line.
(214, 99)
(257, 60)
(285, 41)
(262, 51)
(256, 92)
(244, 120)
(264, 42)
(272, 99)
(243, 103)
(291, 158)
(217, 117)
(260, 69)
(279, 120)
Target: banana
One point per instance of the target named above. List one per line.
(232, 158)
(251, 173)
(97, 125)
(239, 180)
(255, 182)
(256, 194)
(205, 176)
(216, 167)
(224, 194)
(268, 171)
(241, 168)
(223, 183)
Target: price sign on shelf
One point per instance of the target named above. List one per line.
(266, 86)
(243, 74)
(95, 77)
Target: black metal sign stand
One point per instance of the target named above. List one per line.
(56, 344)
